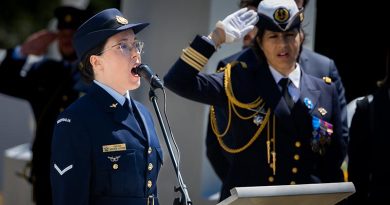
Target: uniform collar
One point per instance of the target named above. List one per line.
(295, 75)
(117, 96)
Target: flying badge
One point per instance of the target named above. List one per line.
(308, 103)
(114, 147)
(322, 132)
(113, 105)
(322, 111)
(114, 158)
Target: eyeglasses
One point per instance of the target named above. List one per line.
(126, 48)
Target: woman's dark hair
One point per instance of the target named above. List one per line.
(85, 66)
(256, 47)
(305, 2)
(259, 52)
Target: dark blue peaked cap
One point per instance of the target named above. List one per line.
(99, 28)
(70, 17)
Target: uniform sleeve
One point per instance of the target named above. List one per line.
(70, 166)
(185, 79)
(10, 75)
(334, 74)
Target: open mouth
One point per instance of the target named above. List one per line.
(283, 54)
(135, 63)
(133, 71)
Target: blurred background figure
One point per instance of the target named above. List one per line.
(369, 138)
(48, 85)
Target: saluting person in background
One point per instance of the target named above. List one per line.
(49, 86)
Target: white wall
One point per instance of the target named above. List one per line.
(16, 127)
(309, 23)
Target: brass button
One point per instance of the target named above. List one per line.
(271, 179)
(294, 170)
(296, 157)
(150, 150)
(62, 109)
(150, 166)
(149, 184)
(64, 97)
(292, 182)
(115, 166)
(297, 144)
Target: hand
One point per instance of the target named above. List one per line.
(38, 43)
(234, 27)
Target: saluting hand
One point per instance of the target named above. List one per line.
(234, 27)
(38, 43)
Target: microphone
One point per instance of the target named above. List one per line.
(147, 73)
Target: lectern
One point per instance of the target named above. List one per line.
(302, 194)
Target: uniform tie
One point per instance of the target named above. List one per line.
(284, 82)
(128, 106)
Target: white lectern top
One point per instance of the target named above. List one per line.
(302, 194)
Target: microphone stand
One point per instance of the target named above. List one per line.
(185, 198)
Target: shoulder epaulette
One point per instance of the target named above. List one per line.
(232, 65)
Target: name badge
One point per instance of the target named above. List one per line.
(114, 147)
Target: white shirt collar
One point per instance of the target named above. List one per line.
(295, 75)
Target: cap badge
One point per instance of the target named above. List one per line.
(121, 20)
(68, 18)
(281, 15)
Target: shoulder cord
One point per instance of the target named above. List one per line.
(257, 104)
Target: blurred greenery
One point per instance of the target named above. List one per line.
(20, 18)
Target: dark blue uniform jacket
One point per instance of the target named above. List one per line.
(296, 162)
(99, 157)
(311, 63)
